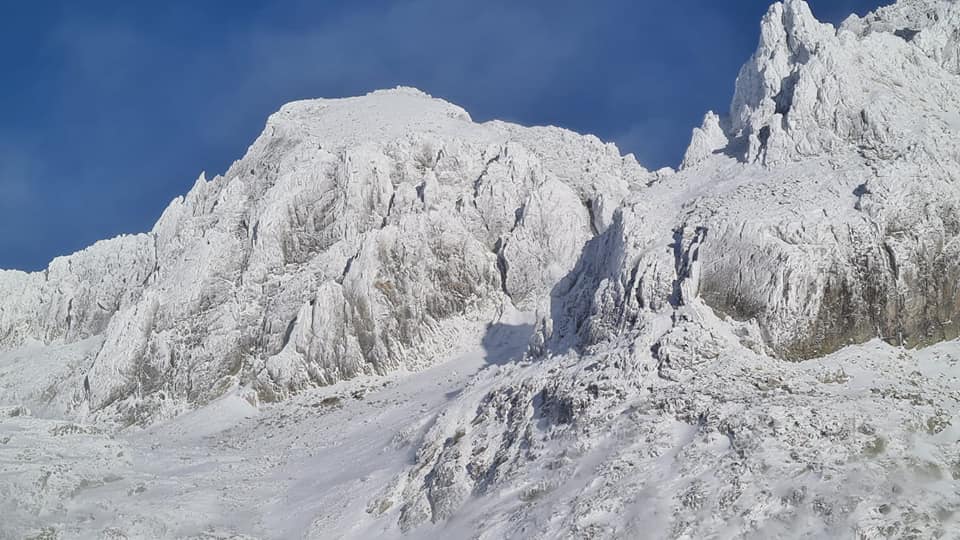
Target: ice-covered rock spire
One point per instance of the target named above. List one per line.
(707, 140)
(811, 90)
(790, 36)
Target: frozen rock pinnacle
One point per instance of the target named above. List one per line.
(707, 140)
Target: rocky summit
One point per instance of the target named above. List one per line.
(387, 320)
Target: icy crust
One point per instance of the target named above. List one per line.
(357, 236)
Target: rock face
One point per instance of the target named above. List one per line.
(869, 250)
(357, 236)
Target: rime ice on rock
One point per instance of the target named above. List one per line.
(708, 139)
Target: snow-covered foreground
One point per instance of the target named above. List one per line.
(305, 467)
(315, 466)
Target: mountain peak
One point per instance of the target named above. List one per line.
(810, 90)
(789, 37)
(380, 115)
(791, 24)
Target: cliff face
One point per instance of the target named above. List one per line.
(858, 128)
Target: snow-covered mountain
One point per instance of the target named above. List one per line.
(357, 236)
(388, 319)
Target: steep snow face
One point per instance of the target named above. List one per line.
(357, 236)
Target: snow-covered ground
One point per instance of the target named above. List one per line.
(304, 467)
(315, 466)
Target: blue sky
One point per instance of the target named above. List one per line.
(111, 109)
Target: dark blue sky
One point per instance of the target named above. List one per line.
(111, 109)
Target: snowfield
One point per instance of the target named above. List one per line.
(387, 320)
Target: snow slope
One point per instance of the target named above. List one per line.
(306, 466)
(389, 320)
